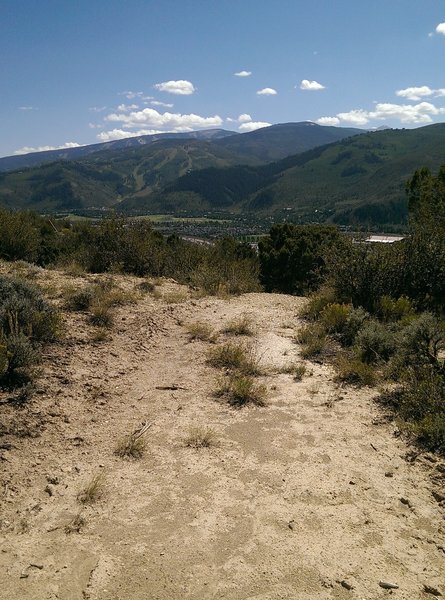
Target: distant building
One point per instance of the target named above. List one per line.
(383, 239)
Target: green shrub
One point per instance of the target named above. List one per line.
(20, 351)
(354, 371)
(22, 308)
(422, 340)
(420, 402)
(79, 299)
(334, 317)
(292, 257)
(317, 302)
(355, 321)
(375, 342)
(391, 309)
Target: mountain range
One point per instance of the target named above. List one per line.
(306, 171)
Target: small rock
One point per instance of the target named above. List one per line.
(429, 589)
(438, 496)
(346, 585)
(389, 474)
(406, 502)
(53, 479)
(49, 490)
(386, 585)
(24, 575)
(291, 524)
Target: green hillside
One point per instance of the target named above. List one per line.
(105, 178)
(360, 179)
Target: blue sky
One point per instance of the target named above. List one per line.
(84, 71)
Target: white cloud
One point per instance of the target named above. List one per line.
(97, 109)
(159, 103)
(311, 86)
(151, 118)
(407, 113)
(328, 121)
(420, 113)
(131, 95)
(243, 74)
(355, 117)
(27, 108)
(127, 107)
(120, 134)
(415, 93)
(441, 28)
(181, 87)
(267, 92)
(244, 118)
(95, 126)
(252, 125)
(28, 149)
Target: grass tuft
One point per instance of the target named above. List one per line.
(200, 437)
(240, 390)
(233, 356)
(200, 331)
(93, 490)
(241, 325)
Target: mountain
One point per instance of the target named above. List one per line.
(278, 141)
(104, 178)
(265, 145)
(357, 180)
(140, 167)
(32, 159)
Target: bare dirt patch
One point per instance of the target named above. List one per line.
(308, 497)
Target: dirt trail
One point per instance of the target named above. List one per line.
(301, 499)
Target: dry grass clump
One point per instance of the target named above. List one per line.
(75, 525)
(100, 335)
(233, 356)
(200, 331)
(312, 339)
(100, 313)
(297, 369)
(133, 445)
(146, 287)
(174, 297)
(241, 325)
(98, 299)
(200, 437)
(240, 390)
(93, 490)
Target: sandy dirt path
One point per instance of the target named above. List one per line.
(309, 497)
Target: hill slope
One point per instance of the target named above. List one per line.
(278, 141)
(33, 159)
(140, 167)
(361, 178)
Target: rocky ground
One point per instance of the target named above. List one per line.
(312, 496)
